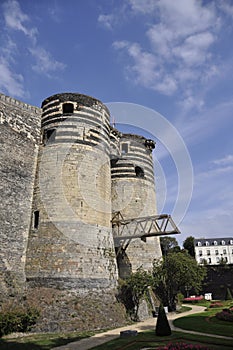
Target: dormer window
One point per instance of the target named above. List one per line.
(215, 243)
(223, 243)
(199, 244)
(207, 243)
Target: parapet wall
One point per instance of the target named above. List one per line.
(21, 117)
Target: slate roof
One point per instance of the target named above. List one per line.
(212, 241)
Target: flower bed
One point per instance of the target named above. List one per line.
(194, 298)
(225, 315)
(183, 346)
(216, 304)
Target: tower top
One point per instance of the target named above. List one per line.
(74, 97)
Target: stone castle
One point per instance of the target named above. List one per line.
(65, 173)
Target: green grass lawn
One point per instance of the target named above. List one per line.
(43, 341)
(206, 322)
(150, 340)
(142, 340)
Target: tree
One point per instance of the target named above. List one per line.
(136, 285)
(228, 294)
(162, 326)
(188, 244)
(168, 244)
(173, 274)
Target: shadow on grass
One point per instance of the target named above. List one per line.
(202, 323)
(26, 343)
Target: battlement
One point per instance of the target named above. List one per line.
(21, 117)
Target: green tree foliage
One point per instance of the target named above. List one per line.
(169, 244)
(188, 244)
(133, 290)
(175, 272)
(18, 320)
(162, 326)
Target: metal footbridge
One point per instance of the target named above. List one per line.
(124, 230)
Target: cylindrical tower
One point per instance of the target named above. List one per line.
(133, 195)
(70, 242)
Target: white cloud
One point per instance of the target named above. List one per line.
(194, 50)
(177, 51)
(226, 161)
(143, 6)
(15, 18)
(144, 69)
(106, 20)
(10, 82)
(45, 63)
(226, 6)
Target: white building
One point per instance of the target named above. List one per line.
(214, 250)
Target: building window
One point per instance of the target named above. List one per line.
(231, 241)
(217, 259)
(215, 243)
(200, 252)
(208, 252)
(207, 243)
(139, 172)
(224, 251)
(36, 218)
(223, 242)
(68, 108)
(49, 135)
(209, 260)
(216, 252)
(199, 244)
(124, 148)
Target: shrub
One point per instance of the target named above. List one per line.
(225, 315)
(162, 326)
(17, 320)
(183, 346)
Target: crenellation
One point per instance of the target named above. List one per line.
(22, 118)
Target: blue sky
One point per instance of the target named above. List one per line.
(172, 57)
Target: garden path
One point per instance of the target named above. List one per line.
(101, 338)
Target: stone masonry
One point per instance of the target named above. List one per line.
(64, 170)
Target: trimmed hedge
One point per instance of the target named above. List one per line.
(162, 326)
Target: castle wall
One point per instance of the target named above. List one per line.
(19, 139)
(58, 191)
(71, 245)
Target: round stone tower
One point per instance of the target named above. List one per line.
(70, 243)
(133, 196)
